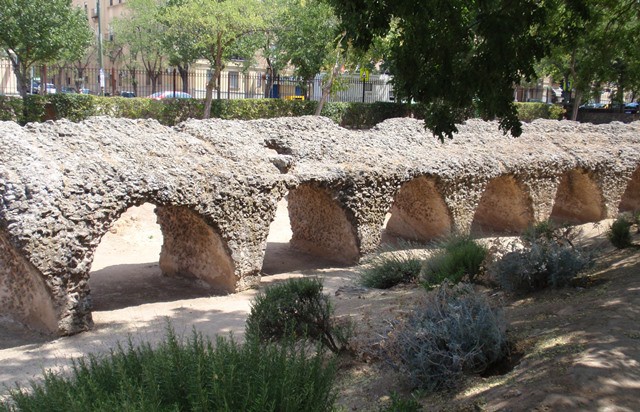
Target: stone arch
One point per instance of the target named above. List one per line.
(631, 197)
(192, 246)
(320, 225)
(578, 199)
(23, 291)
(504, 208)
(419, 211)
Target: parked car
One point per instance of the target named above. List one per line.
(51, 88)
(67, 90)
(84, 91)
(631, 107)
(127, 94)
(170, 95)
(592, 105)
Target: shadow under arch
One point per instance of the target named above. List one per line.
(191, 248)
(505, 208)
(419, 211)
(630, 201)
(320, 225)
(578, 199)
(125, 271)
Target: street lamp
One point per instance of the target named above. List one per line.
(98, 15)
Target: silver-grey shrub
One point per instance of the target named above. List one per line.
(540, 264)
(454, 332)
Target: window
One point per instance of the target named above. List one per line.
(233, 81)
(368, 87)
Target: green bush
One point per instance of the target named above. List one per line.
(10, 108)
(528, 112)
(192, 376)
(455, 332)
(296, 309)
(170, 112)
(389, 268)
(619, 234)
(459, 256)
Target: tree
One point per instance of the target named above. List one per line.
(215, 27)
(142, 32)
(455, 55)
(594, 45)
(41, 31)
(307, 37)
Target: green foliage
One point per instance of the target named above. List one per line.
(140, 32)
(449, 55)
(592, 42)
(296, 309)
(453, 333)
(193, 376)
(546, 259)
(216, 30)
(389, 268)
(34, 109)
(74, 107)
(619, 234)
(458, 256)
(41, 31)
(308, 28)
(173, 111)
(10, 109)
(528, 112)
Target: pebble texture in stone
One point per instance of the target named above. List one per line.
(217, 184)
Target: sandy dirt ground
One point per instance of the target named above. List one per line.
(577, 348)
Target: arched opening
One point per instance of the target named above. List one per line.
(505, 208)
(419, 212)
(320, 226)
(578, 199)
(631, 197)
(158, 254)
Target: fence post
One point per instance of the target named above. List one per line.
(174, 82)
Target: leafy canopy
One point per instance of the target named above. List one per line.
(41, 31)
(454, 55)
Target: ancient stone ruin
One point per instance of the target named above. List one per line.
(216, 185)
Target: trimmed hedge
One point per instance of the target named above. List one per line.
(77, 107)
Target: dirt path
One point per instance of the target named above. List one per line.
(581, 345)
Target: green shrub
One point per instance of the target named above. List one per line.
(35, 109)
(295, 309)
(10, 108)
(192, 376)
(453, 333)
(619, 234)
(528, 112)
(459, 256)
(389, 268)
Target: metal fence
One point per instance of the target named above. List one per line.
(233, 84)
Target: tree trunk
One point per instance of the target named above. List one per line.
(208, 98)
(184, 76)
(21, 75)
(576, 105)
